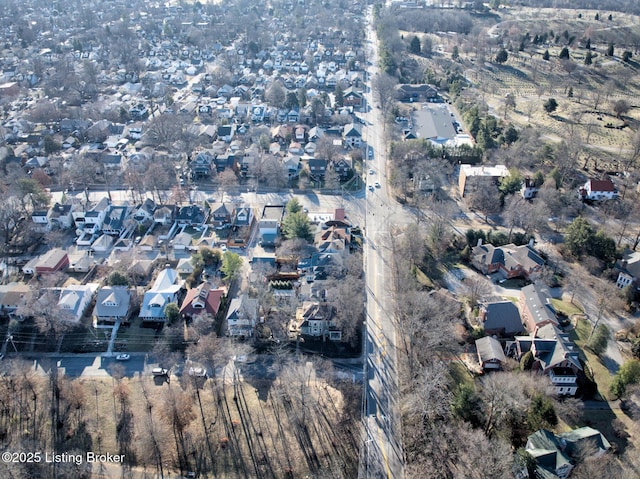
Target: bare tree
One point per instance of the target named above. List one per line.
(475, 288)
(383, 87)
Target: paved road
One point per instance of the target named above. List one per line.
(381, 453)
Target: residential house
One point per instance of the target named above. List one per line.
(165, 290)
(554, 355)
(201, 300)
(343, 166)
(113, 303)
(556, 454)
(13, 296)
(598, 190)
(102, 244)
(536, 308)
(510, 260)
(219, 214)
(269, 224)
(91, 217)
(416, 93)
(490, 353)
(529, 189)
(314, 319)
(60, 216)
(242, 316)
(352, 135)
(75, 299)
(144, 212)
(225, 133)
(41, 220)
(334, 239)
(201, 165)
(351, 97)
(191, 215)
(80, 262)
(317, 168)
(185, 267)
(628, 270)
(164, 215)
(242, 216)
(115, 223)
(501, 319)
(473, 178)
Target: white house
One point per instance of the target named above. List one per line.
(74, 300)
(164, 291)
(598, 190)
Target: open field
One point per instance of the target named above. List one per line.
(585, 93)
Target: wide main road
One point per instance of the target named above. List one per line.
(381, 454)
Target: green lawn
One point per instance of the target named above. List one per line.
(565, 307)
(601, 374)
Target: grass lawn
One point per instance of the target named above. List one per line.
(601, 374)
(565, 307)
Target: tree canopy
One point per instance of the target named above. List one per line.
(231, 264)
(297, 225)
(550, 105)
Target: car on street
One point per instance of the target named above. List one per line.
(377, 184)
(371, 172)
(370, 152)
(123, 357)
(371, 188)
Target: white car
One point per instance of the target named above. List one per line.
(371, 172)
(123, 357)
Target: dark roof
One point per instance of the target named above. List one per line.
(503, 316)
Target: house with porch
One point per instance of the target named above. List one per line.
(75, 299)
(113, 303)
(314, 320)
(165, 290)
(202, 299)
(242, 316)
(554, 355)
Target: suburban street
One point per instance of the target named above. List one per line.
(382, 449)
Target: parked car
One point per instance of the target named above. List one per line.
(160, 372)
(123, 357)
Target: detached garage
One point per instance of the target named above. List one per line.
(490, 353)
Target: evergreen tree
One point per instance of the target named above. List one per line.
(414, 46)
(545, 55)
(564, 54)
(502, 56)
(550, 105)
(588, 58)
(610, 50)
(626, 56)
(588, 44)
(455, 55)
